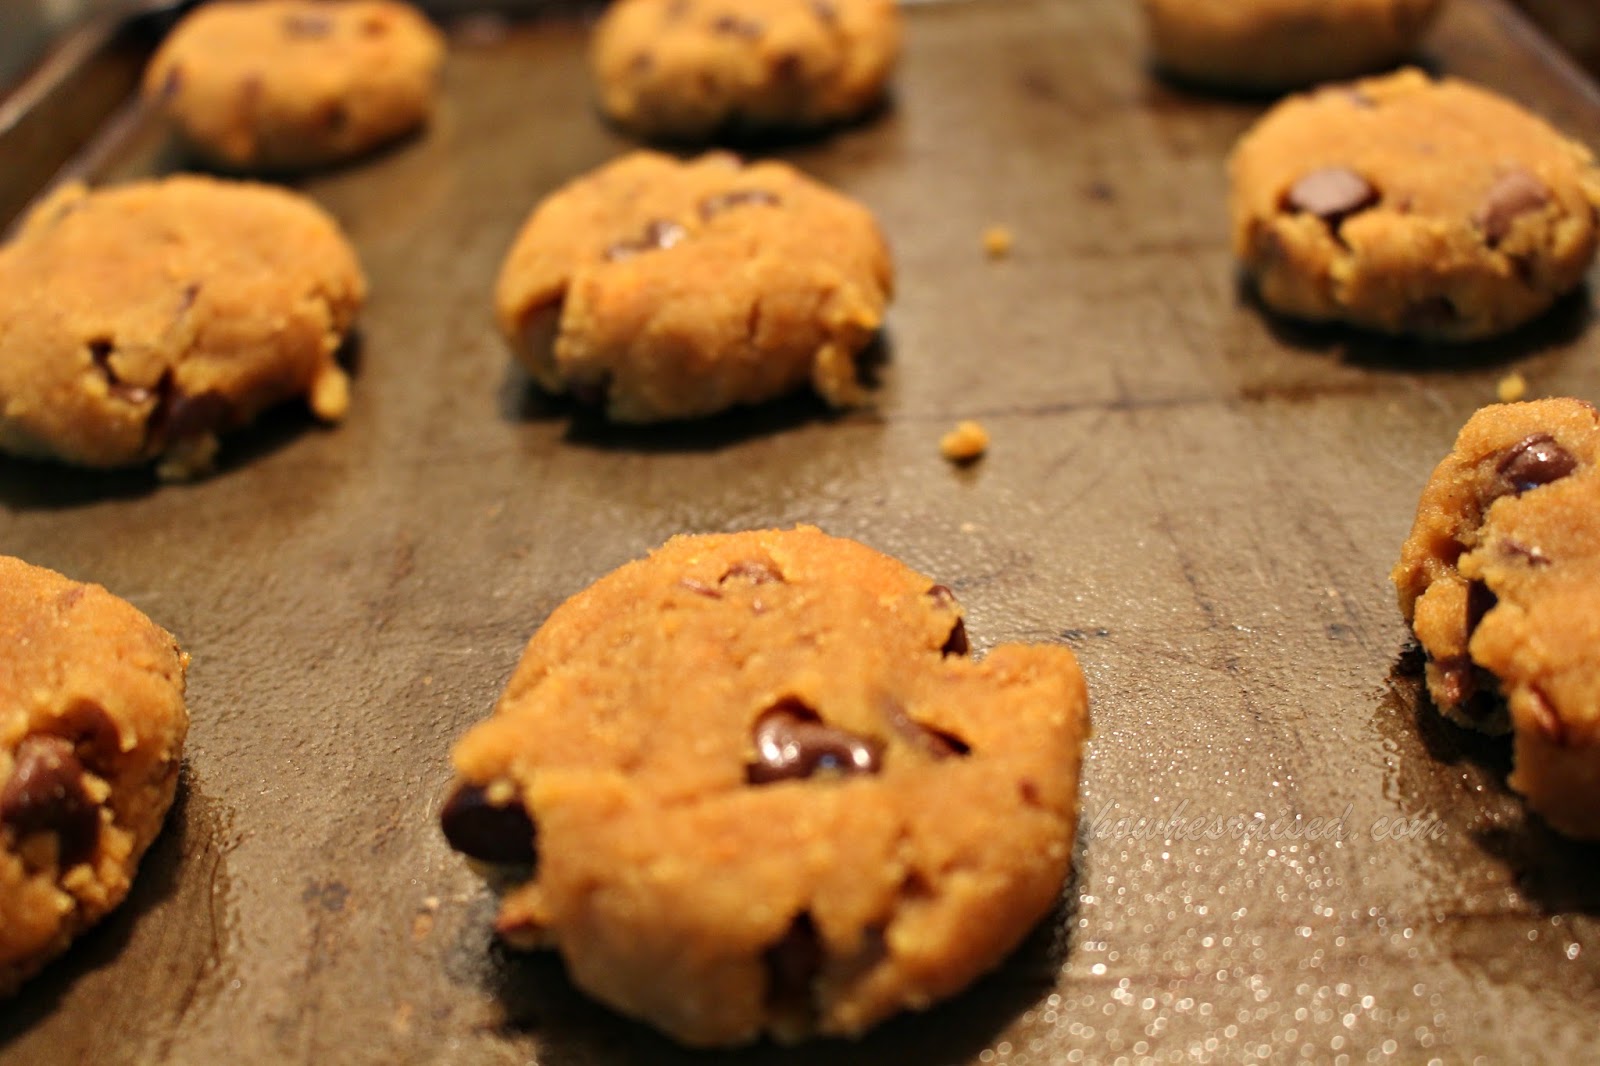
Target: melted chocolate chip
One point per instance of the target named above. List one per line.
(793, 964)
(1514, 194)
(1333, 194)
(1534, 461)
(658, 234)
(712, 206)
(307, 25)
(46, 794)
(793, 743)
(502, 834)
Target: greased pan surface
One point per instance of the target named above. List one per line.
(1203, 504)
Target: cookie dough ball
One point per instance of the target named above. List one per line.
(667, 290)
(139, 321)
(92, 723)
(1500, 579)
(1282, 44)
(1410, 206)
(753, 784)
(690, 70)
(293, 84)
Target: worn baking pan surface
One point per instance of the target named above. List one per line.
(1202, 503)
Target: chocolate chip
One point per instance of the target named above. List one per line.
(488, 832)
(46, 794)
(658, 234)
(1480, 601)
(1514, 193)
(712, 206)
(1333, 194)
(956, 643)
(934, 742)
(793, 964)
(1534, 461)
(756, 573)
(307, 25)
(792, 743)
(180, 417)
(100, 351)
(734, 26)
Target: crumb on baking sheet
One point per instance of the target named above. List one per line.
(997, 241)
(965, 443)
(1513, 387)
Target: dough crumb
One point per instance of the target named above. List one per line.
(997, 241)
(965, 443)
(1513, 387)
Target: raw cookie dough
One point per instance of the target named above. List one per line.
(754, 784)
(1282, 44)
(667, 290)
(92, 723)
(1411, 206)
(291, 84)
(1500, 579)
(694, 69)
(138, 321)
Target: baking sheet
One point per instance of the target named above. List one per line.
(1204, 504)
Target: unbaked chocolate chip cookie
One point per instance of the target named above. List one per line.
(1500, 579)
(289, 84)
(665, 290)
(139, 321)
(1412, 206)
(753, 784)
(690, 70)
(1282, 44)
(92, 723)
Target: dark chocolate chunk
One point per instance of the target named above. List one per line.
(46, 794)
(658, 234)
(1534, 461)
(1333, 194)
(793, 964)
(792, 743)
(712, 206)
(1515, 193)
(481, 830)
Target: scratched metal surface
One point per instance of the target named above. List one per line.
(1203, 504)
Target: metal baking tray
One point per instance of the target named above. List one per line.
(1284, 854)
